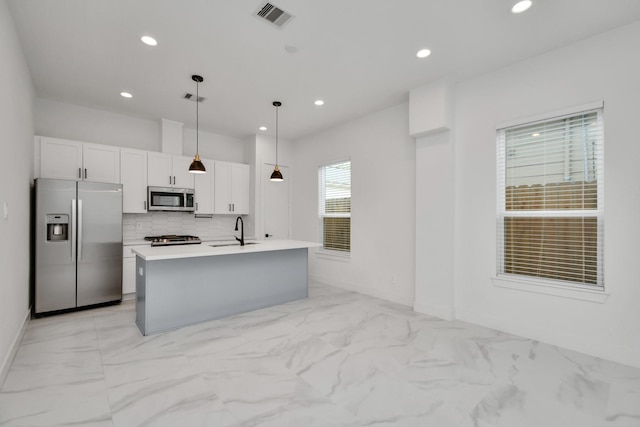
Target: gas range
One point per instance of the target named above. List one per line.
(172, 239)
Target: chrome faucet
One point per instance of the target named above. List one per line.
(241, 239)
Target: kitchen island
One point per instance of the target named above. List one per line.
(181, 285)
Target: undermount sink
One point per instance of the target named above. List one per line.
(232, 244)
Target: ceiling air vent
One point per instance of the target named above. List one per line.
(274, 15)
(191, 97)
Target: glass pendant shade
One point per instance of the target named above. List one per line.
(197, 166)
(276, 175)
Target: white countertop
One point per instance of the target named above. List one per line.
(204, 249)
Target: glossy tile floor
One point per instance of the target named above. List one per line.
(336, 359)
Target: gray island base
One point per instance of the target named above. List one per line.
(176, 292)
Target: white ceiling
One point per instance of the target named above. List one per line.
(357, 55)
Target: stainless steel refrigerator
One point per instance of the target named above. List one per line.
(78, 244)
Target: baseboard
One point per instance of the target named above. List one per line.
(8, 360)
(442, 312)
(129, 296)
(623, 355)
(385, 295)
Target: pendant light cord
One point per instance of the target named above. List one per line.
(277, 108)
(197, 117)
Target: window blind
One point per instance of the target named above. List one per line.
(550, 199)
(334, 205)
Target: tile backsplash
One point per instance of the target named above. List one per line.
(137, 226)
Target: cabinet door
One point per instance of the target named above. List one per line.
(222, 187)
(133, 177)
(182, 177)
(239, 188)
(204, 189)
(60, 158)
(100, 163)
(159, 169)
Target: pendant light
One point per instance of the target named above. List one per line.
(197, 166)
(276, 176)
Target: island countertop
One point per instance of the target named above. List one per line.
(206, 249)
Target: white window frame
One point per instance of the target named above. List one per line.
(322, 251)
(561, 288)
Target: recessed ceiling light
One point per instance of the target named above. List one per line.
(319, 102)
(262, 128)
(423, 53)
(521, 6)
(149, 41)
(126, 95)
(535, 134)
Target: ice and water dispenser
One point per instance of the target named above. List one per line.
(57, 227)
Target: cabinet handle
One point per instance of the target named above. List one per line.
(174, 180)
(145, 205)
(196, 205)
(80, 173)
(229, 207)
(169, 179)
(233, 206)
(85, 173)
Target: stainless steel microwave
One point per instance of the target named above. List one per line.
(170, 199)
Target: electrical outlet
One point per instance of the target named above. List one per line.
(138, 226)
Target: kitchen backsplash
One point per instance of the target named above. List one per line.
(137, 226)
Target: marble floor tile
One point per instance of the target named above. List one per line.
(337, 358)
(84, 402)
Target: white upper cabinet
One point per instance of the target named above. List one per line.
(133, 177)
(204, 186)
(231, 188)
(240, 188)
(160, 173)
(166, 170)
(223, 189)
(100, 163)
(182, 177)
(80, 161)
(60, 158)
(222, 176)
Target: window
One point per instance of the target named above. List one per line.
(334, 206)
(550, 200)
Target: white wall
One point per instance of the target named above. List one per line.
(383, 203)
(16, 174)
(68, 121)
(213, 146)
(435, 195)
(602, 68)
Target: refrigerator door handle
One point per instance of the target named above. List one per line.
(74, 219)
(79, 229)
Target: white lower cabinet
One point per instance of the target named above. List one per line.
(129, 269)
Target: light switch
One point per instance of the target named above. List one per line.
(141, 271)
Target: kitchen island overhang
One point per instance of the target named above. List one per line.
(182, 285)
